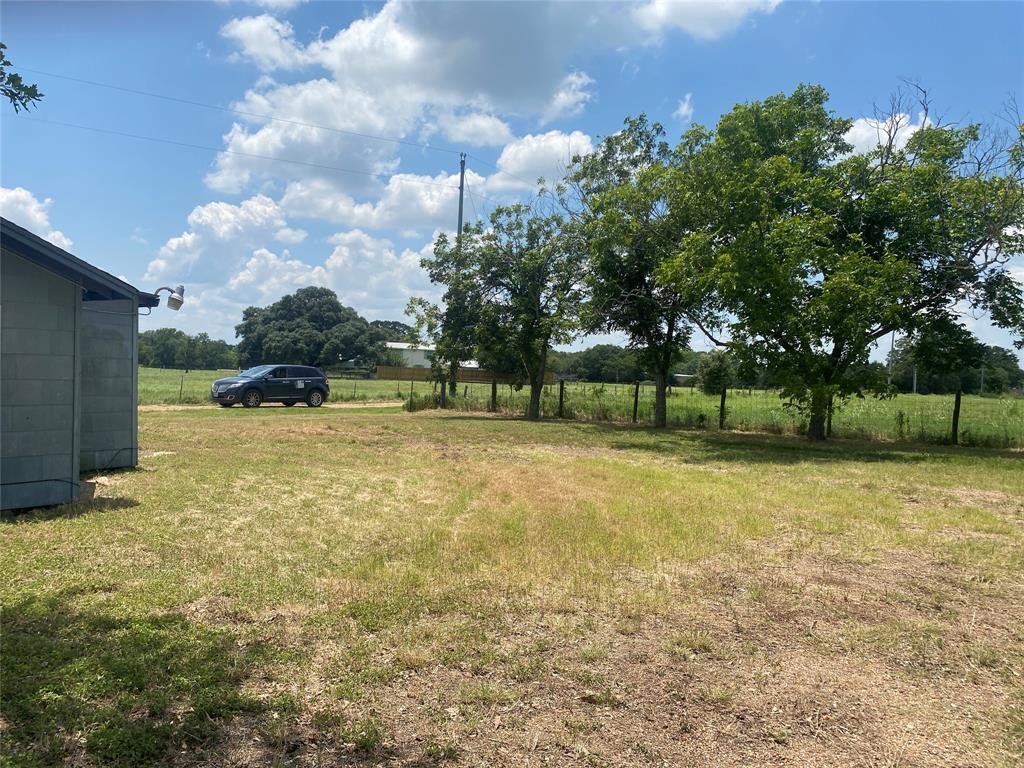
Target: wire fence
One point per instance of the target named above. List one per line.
(984, 421)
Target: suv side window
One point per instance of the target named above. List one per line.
(298, 372)
(279, 373)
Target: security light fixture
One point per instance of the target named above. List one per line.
(176, 299)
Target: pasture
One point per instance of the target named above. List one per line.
(321, 587)
(987, 421)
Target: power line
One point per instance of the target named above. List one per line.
(220, 150)
(244, 113)
(276, 119)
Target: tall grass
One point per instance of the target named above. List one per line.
(984, 421)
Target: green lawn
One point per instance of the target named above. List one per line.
(321, 587)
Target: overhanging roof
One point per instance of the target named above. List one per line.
(98, 285)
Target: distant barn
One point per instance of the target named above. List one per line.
(68, 370)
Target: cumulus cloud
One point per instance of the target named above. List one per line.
(570, 98)
(475, 129)
(684, 111)
(23, 208)
(389, 72)
(220, 226)
(699, 19)
(867, 133)
(545, 155)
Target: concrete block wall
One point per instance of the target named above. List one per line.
(109, 363)
(39, 448)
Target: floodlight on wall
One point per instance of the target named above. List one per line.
(176, 299)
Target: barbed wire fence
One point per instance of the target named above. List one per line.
(991, 421)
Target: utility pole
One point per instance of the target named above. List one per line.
(462, 187)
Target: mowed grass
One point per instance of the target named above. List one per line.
(165, 386)
(315, 587)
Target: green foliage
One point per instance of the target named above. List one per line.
(13, 88)
(997, 370)
(621, 190)
(309, 327)
(512, 290)
(171, 348)
(808, 255)
(715, 372)
(602, 362)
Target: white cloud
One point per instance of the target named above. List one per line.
(410, 202)
(684, 111)
(698, 18)
(224, 228)
(867, 133)
(21, 206)
(469, 65)
(546, 155)
(570, 98)
(267, 41)
(290, 236)
(476, 129)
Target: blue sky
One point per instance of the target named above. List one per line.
(518, 86)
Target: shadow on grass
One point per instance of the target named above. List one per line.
(90, 500)
(83, 686)
(747, 447)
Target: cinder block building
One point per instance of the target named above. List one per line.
(69, 349)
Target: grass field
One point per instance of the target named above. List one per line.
(328, 587)
(159, 386)
(987, 421)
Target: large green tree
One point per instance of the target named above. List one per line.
(308, 327)
(802, 255)
(516, 288)
(619, 195)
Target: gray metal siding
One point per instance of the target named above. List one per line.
(39, 462)
(108, 412)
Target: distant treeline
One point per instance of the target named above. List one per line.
(171, 348)
(999, 372)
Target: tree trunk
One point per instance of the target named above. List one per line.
(660, 402)
(819, 412)
(828, 423)
(453, 379)
(955, 436)
(536, 387)
(721, 409)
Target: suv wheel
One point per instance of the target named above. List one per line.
(252, 399)
(315, 398)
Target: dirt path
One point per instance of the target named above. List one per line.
(194, 406)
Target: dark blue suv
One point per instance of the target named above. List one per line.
(286, 384)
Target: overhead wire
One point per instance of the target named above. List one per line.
(277, 119)
(245, 113)
(220, 150)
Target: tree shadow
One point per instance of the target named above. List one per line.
(83, 685)
(690, 445)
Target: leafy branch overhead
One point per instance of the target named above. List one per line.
(14, 88)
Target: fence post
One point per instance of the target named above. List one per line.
(956, 415)
(721, 410)
(494, 395)
(561, 398)
(828, 416)
(636, 400)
